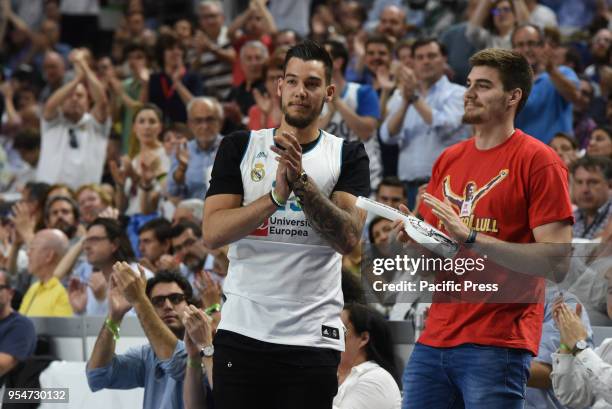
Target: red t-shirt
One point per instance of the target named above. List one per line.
(510, 189)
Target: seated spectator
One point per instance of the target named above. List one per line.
(62, 213)
(566, 147)
(391, 191)
(174, 86)
(92, 200)
(549, 107)
(253, 56)
(266, 113)
(47, 297)
(591, 184)
(367, 375)
(158, 367)
(54, 74)
(28, 213)
(491, 24)
(193, 161)
(154, 242)
(540, 393)
(59, 189)
(189, 254)
(73, 132)
(27, 145)
(173, 137)
(392, 23)
(599, 48)
(600, 142)
(17, 335)
(580, 374)
(190, 210)
(583, 124)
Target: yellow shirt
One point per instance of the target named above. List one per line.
(46, 300)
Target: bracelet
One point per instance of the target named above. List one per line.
(275, 200)
(472, 237)
(213, 308)
(564, 347)
(194, 363)
(113, 327)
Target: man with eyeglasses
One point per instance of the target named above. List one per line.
(548, 110)
(75, 129)
(158, 367)
(17, 334)
(193, 160)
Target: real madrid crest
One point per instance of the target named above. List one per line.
(258, 172)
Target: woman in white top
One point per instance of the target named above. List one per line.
(492, 23)
(367, 374)
(139, 179)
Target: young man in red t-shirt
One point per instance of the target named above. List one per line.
(500, 187)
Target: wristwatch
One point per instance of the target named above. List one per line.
(207, 351)
(579, 347)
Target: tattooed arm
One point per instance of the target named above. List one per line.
(337, 219)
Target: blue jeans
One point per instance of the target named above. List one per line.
(466, 376)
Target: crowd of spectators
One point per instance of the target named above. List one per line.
(109, 132)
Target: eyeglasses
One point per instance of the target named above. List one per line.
(208, 120)
(94, 239)
(175, 298)
(74, 143)
(501, 10)
(4, 287)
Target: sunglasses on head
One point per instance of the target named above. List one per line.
(175, 298)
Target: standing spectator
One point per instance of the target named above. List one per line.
(17, 335)
(172, 88)
(424, 116)
(253, 56)
(266, 113)
(62, 213)
(214, 55)
(47, 297)
(367, 374)
(591, 184)
(549, 107)
(600, 142)
(48, 39)
(583, 124)
(70, 132)
(353, 112)
(193, 160)
(492, 23)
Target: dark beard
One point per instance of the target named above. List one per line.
(67, 229)
(471, 119)
(302, 122)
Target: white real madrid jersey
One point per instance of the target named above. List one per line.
(284, 280)
(337, 126)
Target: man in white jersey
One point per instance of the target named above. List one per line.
(285, 200)
(353, 113)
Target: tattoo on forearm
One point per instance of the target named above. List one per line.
(339, 227)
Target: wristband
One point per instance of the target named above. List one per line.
(275, 200)
(194, 363)
(471, 237)
(213, 308)
(564, 347)
(113, 327)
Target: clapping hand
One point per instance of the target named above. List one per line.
(131, 284)
(198, 328)
(569, 323)
(210, 290)
(77, 295)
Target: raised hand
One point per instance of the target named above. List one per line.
(77, 295)
(149, 167)
(263, 101)
(210, 290)
(131, 284)
(383, 76)
(407, 81)
(109, 213)
(118, 173)
(569, 324)
(118, 305)
(198, 325)
(290, 156)
(98, 285)
(182, 154)
(23, 221)
(168, 263)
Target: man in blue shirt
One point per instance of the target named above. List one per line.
(425, 115)
(17, 335)
(192, 163)
(159, 367)
(548, 110)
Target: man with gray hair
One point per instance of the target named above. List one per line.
(47, 297)
(193, 160)
(253, 56)
(191, 210)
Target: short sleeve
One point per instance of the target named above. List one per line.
(367, 102)
(355, 171)
(18, 338)
(549, 181)
(226, 177)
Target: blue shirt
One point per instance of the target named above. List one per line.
(549, 343)
(195, 182)
(546, 111)
(421, 144)
(139, 367)
(17, 336)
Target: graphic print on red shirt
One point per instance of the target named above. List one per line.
(504, 192)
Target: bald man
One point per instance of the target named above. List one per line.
(47, 297)
(54, 73)
(392, 22)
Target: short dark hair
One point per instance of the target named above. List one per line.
(309, 50)
(69, 200)
(137, 45)
(514, 70)
(379, 39)
(182, 226)
(160, 226)
(594, 163)
(165, 276)
(567, 137)
(27, 140)
(164, 42)
(116, 233)
(338, 50)
(373, 223)
(38, 191)
(426, 41)
(391, 181)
